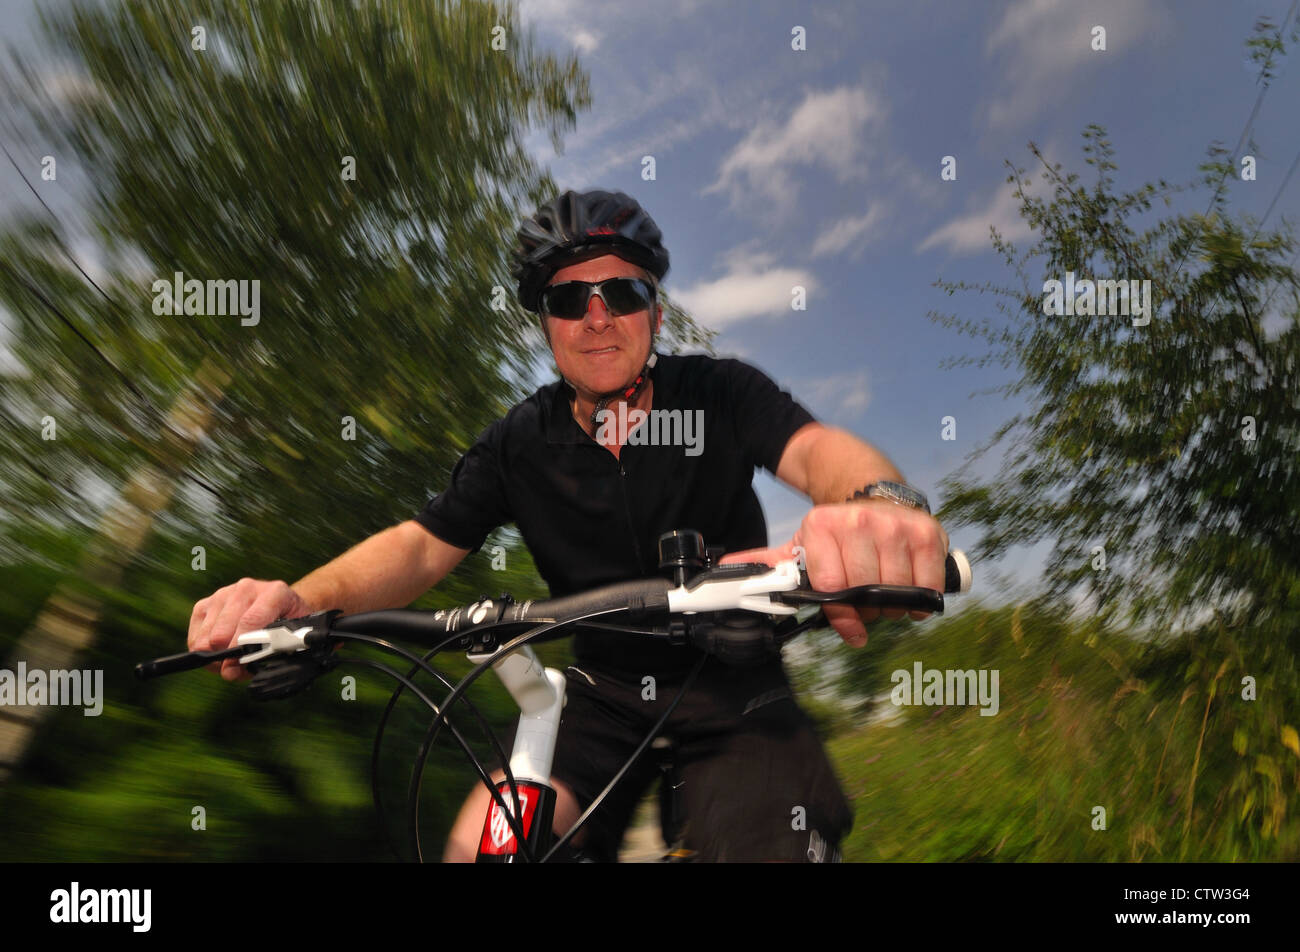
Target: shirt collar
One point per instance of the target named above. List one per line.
(561, 427)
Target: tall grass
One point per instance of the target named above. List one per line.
(1104, 748)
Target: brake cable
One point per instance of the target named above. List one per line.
(403, 683)
(654, 732)
(474, 674)
(407, 683)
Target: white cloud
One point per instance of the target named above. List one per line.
(827, 129)
(632, 117)
(67, 86)
(847, 231)
(970, 233)
(559, 13)
(835, 397)
(568, 19)
(573, 18)
(641, 138)
(552, 12)
(752, 287)
(1042, 44)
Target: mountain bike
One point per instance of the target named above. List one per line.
(740, 613)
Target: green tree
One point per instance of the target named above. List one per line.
(364, 164)
(1158, 455)
(1171, 444)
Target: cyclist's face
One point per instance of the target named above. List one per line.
(599, 353)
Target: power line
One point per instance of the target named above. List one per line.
(1278, 194)
(1268, 300)
(143, 401)
(1245, 132)
(62, 247)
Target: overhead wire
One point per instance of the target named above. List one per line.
(143, 402)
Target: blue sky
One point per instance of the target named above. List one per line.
(821, 168)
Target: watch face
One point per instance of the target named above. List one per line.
(899, 493)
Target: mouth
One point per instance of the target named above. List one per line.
(603, 350)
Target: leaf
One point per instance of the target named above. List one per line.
(1268, 767)
(284, 447)
(1239, 740)
(1017, 632)
(1290, 740)
(378, 420)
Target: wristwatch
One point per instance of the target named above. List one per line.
(894, 492)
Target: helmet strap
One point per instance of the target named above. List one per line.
(630, 392)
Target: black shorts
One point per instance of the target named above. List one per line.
(755, 782)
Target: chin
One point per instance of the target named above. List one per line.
(604, 381)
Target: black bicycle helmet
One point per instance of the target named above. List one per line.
(579, 226)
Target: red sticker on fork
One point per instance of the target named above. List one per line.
(498, 838)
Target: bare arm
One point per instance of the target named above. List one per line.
(390, 569)
(828, 464)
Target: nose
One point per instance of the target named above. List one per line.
(596, 312)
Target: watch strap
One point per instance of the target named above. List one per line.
(895, 492)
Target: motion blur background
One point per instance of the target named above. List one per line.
(1129, 492)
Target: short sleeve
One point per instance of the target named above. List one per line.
(474, 502)
(765, 416)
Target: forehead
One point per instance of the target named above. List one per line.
(597, 269)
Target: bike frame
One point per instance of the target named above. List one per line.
(539, 692)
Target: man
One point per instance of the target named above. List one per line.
(755, 781)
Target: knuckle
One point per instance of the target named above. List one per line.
(822, 576)
(929, 545)
(888, 529)
(817, 518)
(255, 616)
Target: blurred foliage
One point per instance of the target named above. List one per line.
(386, 298)
(1136, 439)
(1158, 734)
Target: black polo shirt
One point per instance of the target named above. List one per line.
(590, 519)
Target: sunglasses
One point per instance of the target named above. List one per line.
(620, 296)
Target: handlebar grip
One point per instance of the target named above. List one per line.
(957, 574)
(186, 662)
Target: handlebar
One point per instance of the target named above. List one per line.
(718, 609)
(739, 613)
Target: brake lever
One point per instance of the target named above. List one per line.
(287, 638)
(904, 597)
(291, 655)
(957, 578)
(747, 592)
(269, 641)
(777, 590)
(284, 676)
